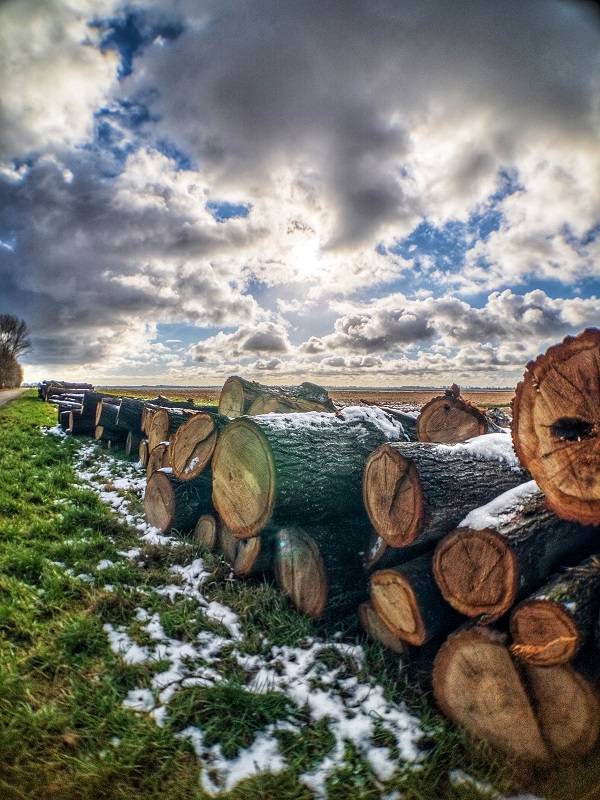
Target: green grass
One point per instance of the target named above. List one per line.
(64, 733)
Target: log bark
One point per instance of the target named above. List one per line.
(380, 555)
(132, 444)
(64, 419)
(376, 629)
(556, 426)
(319, 569)
(417, 492)
(449, 419)
(239, 395)
(130, 415)
(193, 444)
(408, 422)
(176, 505)
(48, 389)
(502, 552)
(410, 604)
(107, 411)
(552, 625)
(79, 425)
(281, 468)
(567, 706)
(477, 686)
(157, 458)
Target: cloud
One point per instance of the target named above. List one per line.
(263, 337)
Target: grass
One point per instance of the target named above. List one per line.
(64, 732)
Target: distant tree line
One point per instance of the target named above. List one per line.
(14, 341)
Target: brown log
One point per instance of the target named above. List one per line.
(449, 419)
(376, 629)
(240, 396)
(417, 492)
(205, 532)
(193, 444)
(171, 504)
(409, 602)
(143, 452)
(556, 621)
(556, 426)
(158, 458)
(505, 550)
(477, 686)
(132, 444)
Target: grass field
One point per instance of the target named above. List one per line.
(114, 642)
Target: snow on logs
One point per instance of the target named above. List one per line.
(450, 419)
(240, 396)
(504, 550)
(170, 504)
(417, 492)
(552, 625)
(283, 468)
(556, 426)
(193, 444)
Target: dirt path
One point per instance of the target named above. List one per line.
(9, 394)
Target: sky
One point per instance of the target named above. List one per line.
(354, 192)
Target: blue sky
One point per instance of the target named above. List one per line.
(382, 194)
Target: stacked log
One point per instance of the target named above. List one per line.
(194, 443)
(158, 458)
(450, 419)
(240, 396)
(373, 625)
(49, 389)
(171, 504)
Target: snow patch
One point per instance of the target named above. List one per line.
(493, 513)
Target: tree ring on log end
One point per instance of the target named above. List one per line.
(448, 420)
(556, 426)
(205, 532)
(374, 626)
(243, 473)
(159, 501)
(394, 600)
(393, 496)
(300, 572)
(544, 633)
(193, 446)
(476, 572)
(231, 400)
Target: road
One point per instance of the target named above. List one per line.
(9, 394)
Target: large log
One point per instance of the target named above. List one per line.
(132, 444)
(143, 453)
(154, 405)
(449, 419)
(166, 421)
(380, 555)
(319, 569)
(64, 419)
(281, 468)
(157, 458)
(171, 504)
(376, 629)
(417, 492)
(193, 444)
(556, 426)
(240, 396)
(130, 415)
(477, 686)
(556, 621)
(410, 604)
(503, 551)
(48, 389)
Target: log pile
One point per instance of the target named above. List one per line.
(427, 528)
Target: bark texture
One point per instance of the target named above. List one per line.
(239, 394)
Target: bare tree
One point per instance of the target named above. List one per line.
(14, 335)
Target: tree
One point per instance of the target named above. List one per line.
(14, 335)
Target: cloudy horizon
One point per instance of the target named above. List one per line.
(356, 193)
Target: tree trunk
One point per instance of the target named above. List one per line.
(165, 422)
(194, 443)
(132, 443)
(505, 550)
(205, 532)
(410, 604)
(176, 505)
(319, 569)
(79, 425)
(288, 467)
(157, 458)
(556, 426)
(379, 554)
(130, 415)
(556, 621)
(64, 419)
(238, 396)
(254, 556)
(450, 419)
(418, 492)
(107, 411)
(376, 629)
(567, 707)
(477, 686)
(143, 453)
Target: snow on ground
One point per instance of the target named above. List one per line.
(356, 711)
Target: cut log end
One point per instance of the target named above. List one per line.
(158, 458)
(543, 633)
(476, 685)
(243, 479)
(476, 572)
(159, 501)
(394, 600)
(193, 446)
(556, 426)
(205, 532)
(247, 554)
(393, 497)
(300, 572)
(376, 629)
(450, 419)
(231, 400)
(143, 452)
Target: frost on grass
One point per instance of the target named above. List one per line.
(321, 680)
(55, 431)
